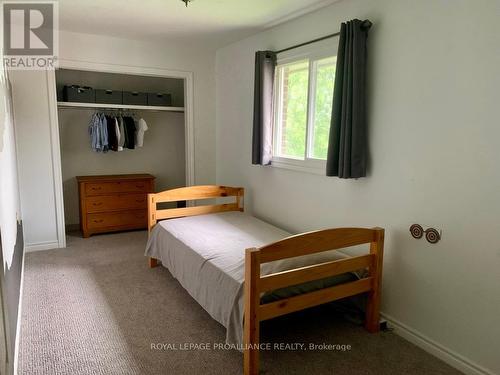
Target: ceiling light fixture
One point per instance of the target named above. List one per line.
(186, 2)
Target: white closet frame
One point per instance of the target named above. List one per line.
(119, 69)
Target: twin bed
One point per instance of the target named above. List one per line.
(242, 270)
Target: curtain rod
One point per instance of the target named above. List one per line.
(310, 42)
(365, 24)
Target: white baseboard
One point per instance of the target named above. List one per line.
(19, 319)
(447, 355)
(30, 247)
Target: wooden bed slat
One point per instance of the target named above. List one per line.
(198, 192)
(197, 210)
(313, 272)
(319, 297)
(315, 242)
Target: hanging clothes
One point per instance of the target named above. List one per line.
(118, 134)
(98, 133)
(140, 128)
(129, 126)
(121, 140)
(112, 137)
(94, 132)
(103, 130)
(115, 132)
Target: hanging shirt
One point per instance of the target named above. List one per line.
(140, 128)
(94, 132)
(118, 134)
(121, 140)
(112, 139)
(103, 131)
(129, 126)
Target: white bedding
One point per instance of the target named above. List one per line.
(206, 254)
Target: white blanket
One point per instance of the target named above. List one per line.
(206, 254)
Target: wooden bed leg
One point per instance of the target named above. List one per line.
(152, 262)
(372, 319)
(251, 318)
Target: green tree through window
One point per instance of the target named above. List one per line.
(302, 124)
(325, 78)
(295, 83)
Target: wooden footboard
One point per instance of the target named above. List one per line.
(191, 193)
(304, 244)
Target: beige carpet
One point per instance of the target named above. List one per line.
(95, 308)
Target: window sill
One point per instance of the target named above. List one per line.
(312, 166)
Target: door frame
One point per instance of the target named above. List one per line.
(119, 69)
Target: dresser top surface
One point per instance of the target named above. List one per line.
(114, 177)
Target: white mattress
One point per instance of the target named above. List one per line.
(206, 254)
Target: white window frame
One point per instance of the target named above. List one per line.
(313, 53)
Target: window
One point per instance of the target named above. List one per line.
(303, 107)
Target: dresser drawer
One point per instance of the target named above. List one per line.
(100, 203)
(111, 203)
(128, 219)
(103, 188)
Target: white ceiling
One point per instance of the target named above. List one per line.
(216, 22)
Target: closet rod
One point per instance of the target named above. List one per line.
(104, 109)
(365, 25)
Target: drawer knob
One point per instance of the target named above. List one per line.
(97, 188)
(98, 221)
(139, 186)
(97, 203)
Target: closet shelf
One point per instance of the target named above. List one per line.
(118, 106)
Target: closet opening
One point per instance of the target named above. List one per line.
(104, 187)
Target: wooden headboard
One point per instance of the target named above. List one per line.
(191, 193)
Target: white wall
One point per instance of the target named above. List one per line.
(9, 193)
(32, 113)
(434, 133)
(11, 232)
(36, 176)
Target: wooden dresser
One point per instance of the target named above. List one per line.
(113, 203)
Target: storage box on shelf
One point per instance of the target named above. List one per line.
(108, 96)
(157, 99)
(135, 98)
(80, 94)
